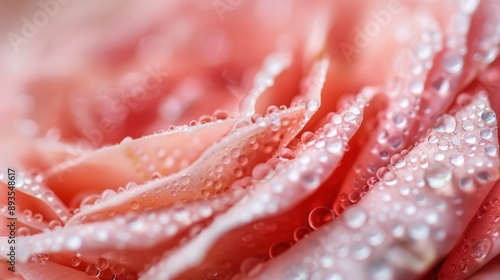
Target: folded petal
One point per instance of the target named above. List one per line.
(291, 182)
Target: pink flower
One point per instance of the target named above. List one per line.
(251, 140)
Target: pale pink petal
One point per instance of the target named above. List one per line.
(290, 183)
(411, 218)
(33, 195)
(404, 95)
(136, 160)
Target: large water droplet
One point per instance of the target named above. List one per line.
(457, 159)
(453, 62)
(355, 217)
(437, 175)
(480, 248)
(73, 242)
(334, 145)
(467, 125)
(75, 261)
(101, 264)
(320, 216)
(488, 116)
(445, 123)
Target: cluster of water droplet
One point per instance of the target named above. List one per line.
(395, 127)
(102, 269)
(413, 200)
(33, 187)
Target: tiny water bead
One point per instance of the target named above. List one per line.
(320, 216)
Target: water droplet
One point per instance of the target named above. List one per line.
(419, 231)
(349, 117)
(395, 141)
(457, 159)
(117, 269)
(361, 252)
(334, 145)
(101, 264)
(247, 237)
(486, 133)
(354, 217)
(312, 105)
(380, 270)
(480, 248)
(74, 242)
(92, 271)
(489, 116)
(433, 138)
(23, 231)
(75, 261)
(445, 123)
(278, 248)
(320, 216)
(134, 205)
(491, 150)
(127, 139)
(440, 84)
(466, 184)
(375, 237)
(243, 160)
(437, 175)
(300, 233)
(452, 62)
(467, 125)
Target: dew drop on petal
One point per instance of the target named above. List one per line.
(452, 62)
(457, 159)
(467, 125)
(445, 123)
(419, 231)
(23, 231)
(300, 233)
(486, 133)
(480, 248)
(355, 217)
(349, 117)
(437, 175)
(73, 242)
(278, 248)
(488, 116)
(334, 145)
(101, 264)
(75, 261)
(312, 105)
(320, 216)
(117, 269)
(92, 271)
